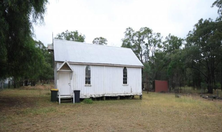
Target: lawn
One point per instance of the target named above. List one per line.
(30, 109)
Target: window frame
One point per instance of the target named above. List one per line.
(125, 77)
(87, 75)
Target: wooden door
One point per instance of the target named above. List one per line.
(64, 83)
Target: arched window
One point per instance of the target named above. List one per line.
(124, 75)
(88, 75)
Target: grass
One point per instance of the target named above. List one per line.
(87, 101)
(190, 90)
(31, 110)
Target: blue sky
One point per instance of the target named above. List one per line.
(110, 18)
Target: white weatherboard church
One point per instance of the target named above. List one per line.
(95, 70)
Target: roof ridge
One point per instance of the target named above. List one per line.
(92, 44)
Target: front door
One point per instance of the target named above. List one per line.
(64, 84)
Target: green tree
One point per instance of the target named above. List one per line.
(218, 4)
(155, 68)
(71, 35)
(165, 61)
(28, 64)
(204, 43)
(176, 69)
(100, 41)
(144, 44)
(127, 41)
(172, 43)
(16, 45)
(142, 39)
(46, 72)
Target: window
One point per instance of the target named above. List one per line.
(124, 75)
(88, 75)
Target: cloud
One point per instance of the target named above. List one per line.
(110, 18)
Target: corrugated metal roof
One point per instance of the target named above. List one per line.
(78, 52)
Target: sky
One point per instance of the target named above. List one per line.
(110, 18)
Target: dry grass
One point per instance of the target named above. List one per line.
(31, 110)
(191, 90)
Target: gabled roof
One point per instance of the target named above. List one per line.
(65, 66)
(83, 53)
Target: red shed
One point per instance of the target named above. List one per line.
(161, 86)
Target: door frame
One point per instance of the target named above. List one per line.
(69, 70)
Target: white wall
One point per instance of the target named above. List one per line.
(106, 81)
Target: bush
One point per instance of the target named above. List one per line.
(203, 86)
(87, 101)
(217, 85)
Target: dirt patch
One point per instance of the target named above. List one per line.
(10, 103)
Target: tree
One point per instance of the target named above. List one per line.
(46, 72)
(39, 64)
(155, 68)
(142, 40)
(218, 3)
(205, 48)
(72, 36)
(127, 41)
(16, 45)
(172, 43)
(100, 41)
(144, 43)
(174, 65)
(29, 64)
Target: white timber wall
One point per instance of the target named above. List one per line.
(106, 81)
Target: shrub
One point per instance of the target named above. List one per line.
(217, 85)
(87, 101)
(203, 86)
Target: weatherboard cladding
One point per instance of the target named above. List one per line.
(106, 81)
(83, 53)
